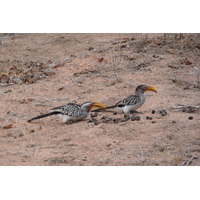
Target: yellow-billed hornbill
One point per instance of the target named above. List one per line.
(133, 102)
(72, 112)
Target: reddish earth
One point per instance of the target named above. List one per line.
(42, 71)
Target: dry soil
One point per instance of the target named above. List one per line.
(42, 71)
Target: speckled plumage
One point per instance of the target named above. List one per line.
(133, 102)
(71, 109)
(70, 112)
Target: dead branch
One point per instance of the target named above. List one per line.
(189, 161)
(186, 163)
(187, 108)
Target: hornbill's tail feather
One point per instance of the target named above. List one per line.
(44, 115)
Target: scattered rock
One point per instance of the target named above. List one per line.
(94, 114)
(61, 88)
(135, 118)
(84, 159)
(124, 119)
(147, 117)
(163, 112)
(153, 111)
(90, 48)
(116, 120)
(138, 118)
(108, 145)
(170, 136)
(96, 123)
(110, 118)
(90, 121)
(198, 46)
(21, 135)
(187, 62)
(155, 56)
(162, 149)
(127, 116)
(190, 117)
(123, 46)
(106, 120)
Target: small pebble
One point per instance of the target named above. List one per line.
(133, 112)
(125, 119)
(190, 117)
(21, 135)
(84, 159)
(116, 120)
(153, 111)
(127, 116)
(90, 121)
(108, 145)
(135, 118)
(114, 113)
(170, 136)
(163, 112)
(95, 114)
(153, 122)
(96, 122)
(133, 115)
(161, 149)
(107, 120)
(138, 118)
(147, 117)
(174, 122)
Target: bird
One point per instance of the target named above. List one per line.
(133, 102)
(72, 112)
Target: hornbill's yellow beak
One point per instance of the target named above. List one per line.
(96, 105)
(150, 88)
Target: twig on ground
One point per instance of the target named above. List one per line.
(198, 77)
(187, 108)
(186, 163)
(189, 161)
(6, 85)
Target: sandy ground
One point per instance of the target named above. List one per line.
(42, 71)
